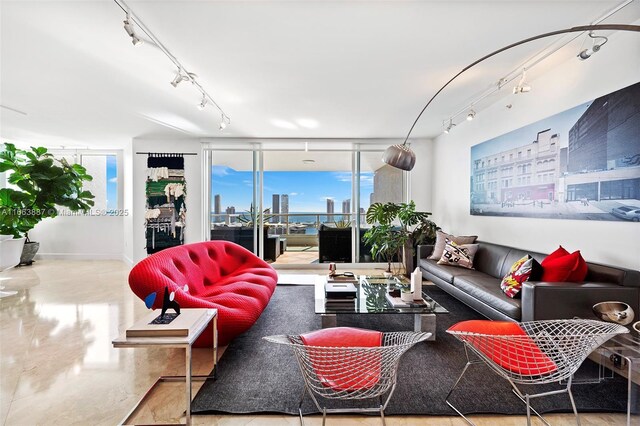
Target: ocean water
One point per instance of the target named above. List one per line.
(310, 220)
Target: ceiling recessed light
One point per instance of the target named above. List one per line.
(308, 161)
(307, 123)
(283, 124)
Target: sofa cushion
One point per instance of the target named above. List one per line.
(559, 269)
(458, 254)
(515, 254)
(444, 272)
(441, 240)
(490, 257)
(487, 289)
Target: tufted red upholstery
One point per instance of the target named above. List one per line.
(220, 274)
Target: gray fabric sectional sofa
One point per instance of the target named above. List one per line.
(479, 288)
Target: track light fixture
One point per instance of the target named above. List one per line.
(224, 121)
(471, 115)
(128, 27)
(178, 79)
(586, 53)
(132, 23)
(522, 86)
(449, 126)
(202, 103)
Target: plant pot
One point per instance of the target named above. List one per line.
(29, 252)
(407, 258)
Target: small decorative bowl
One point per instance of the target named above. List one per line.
(618, 312)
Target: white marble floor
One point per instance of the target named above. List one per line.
(57, 366)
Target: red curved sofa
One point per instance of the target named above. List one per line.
(220, 274)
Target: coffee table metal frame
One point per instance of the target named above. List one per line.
(185, 343)
(423, 319)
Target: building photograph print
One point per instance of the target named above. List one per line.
(582, 163)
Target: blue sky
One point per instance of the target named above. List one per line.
(112, 182)
(308, 191)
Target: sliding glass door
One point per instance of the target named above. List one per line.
(299, 206)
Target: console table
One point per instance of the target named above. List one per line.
(195, 330)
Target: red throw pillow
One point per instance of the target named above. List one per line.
(560, 252)
(329, 364)
(560, 268)
(519, 354)
(580, 272)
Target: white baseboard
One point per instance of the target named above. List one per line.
(81, 256)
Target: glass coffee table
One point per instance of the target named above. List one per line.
(371, 299)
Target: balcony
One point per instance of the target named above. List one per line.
(290, 238)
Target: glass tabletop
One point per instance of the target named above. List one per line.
(371, 298)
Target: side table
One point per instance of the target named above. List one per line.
(621, 354)
(186, 342)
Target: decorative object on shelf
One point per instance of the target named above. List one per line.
(636, 326)
(528, 178)
(416, 284)
(40, 183)
(332, 269)
(618, 312)
(165, 218)
(389, 242)
(402, 157)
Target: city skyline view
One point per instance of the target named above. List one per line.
(306, 191)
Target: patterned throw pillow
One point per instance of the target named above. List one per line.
(441, 240)
(524, 269)
(458, 254)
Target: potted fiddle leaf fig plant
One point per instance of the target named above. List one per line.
(39, 183)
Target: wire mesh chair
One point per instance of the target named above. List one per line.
(350, 373)
(535, 353)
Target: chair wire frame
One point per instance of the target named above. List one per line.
(549, 351)
(350, 373)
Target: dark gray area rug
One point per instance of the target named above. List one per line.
(255, 376)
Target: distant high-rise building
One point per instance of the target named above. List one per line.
(216, 205)
(329, 205)
(275, 207)
(231, 211)
(284, 204)
(346, 206)
(370, 198)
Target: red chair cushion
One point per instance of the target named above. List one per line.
(520, 355)
(352, 371)
(220, 274)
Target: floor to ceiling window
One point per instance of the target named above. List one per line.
(299, 206)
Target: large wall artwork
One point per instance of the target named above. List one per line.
(166, 211)
(583, 163)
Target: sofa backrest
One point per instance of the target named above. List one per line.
(496, 260)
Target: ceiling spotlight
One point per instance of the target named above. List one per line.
(586, 53)
(224, 121)
(471, 115)
(128, 27)
(203, 103)
(449, 127)
(522, 86)
(178, 79)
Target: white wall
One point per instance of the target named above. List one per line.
(421, 177)
(193, 200)
(80, 237)
(572, 83)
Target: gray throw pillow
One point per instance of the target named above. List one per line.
(441, 240)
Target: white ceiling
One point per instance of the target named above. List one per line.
(279, 69)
